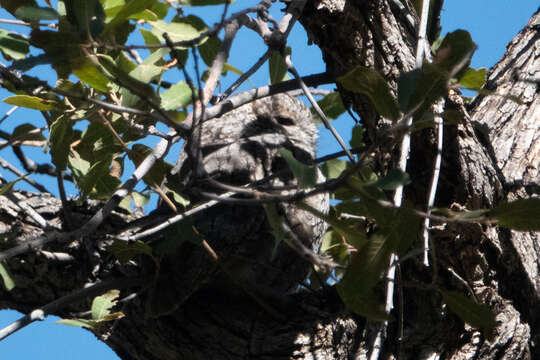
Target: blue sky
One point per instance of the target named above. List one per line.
(492, 25)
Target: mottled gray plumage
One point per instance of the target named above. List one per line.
(239, 148)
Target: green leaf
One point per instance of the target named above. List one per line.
(125, 251)
(125, 63)
(306, 174)
(158, 172)
(146, 73)
(78, 167)
(477, 315)
(400, 225)
(370, 83)
(473, 79)
(393, 179)
(352, 231)
(97, 172)
(277, 66)
(13, 46)
(87, 16)
(149, 39)
(60, 139)
(31, 102)
(229, 67)
(366, 305)
(9, 284)
(474, 215)
(203, 2)
(455, 52)
(177, 96)
(334, 245)
(88, 73)
(131, 7)
(126, 80)
(357, 137)
(333, 168)
(209, 49)
(26, 132)
(180, 30)
(140, 199)
(90, 324)
(179, 198)
(331, 105)
(12, 5)
(35, 13)
(158, 55)
(101, 305)
(169, 243)
(420, 88)
(369, 264)
(276, 223)
(520, 215)
(355, 289)
(407, 85)
(8, 186)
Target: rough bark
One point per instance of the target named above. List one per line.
(490, 156)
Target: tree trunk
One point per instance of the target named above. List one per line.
(491, 156)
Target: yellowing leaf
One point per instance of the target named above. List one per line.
(102, 304)
(9, 284)
(31, 102)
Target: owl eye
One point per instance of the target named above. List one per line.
(284, 120)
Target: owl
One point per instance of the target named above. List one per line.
(241, 148)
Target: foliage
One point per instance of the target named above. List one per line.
(105, 104)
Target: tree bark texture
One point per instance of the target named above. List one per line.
(490, 156)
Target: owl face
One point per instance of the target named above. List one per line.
(286, 115)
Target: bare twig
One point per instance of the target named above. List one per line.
(195, 41)
(13, 169)
(317, 108)
(24, 23)
(28, 210)
(246, 75)
(57, 256)
(93, 290)
(433, 186)
(161, 149)
(172, 220)
(398, 194)
(248, 96)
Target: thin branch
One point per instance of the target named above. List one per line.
(66, 208)
(28, 210)
(319, 111)
(248, 96)
(13, 169)
(24, 23)
(433, 185)
(161, 149)
(57, 256)
(31, 167)
(195, 41)
(245, 75)
(172, 220)
(52, 307)
(398, 194)
(28, 82)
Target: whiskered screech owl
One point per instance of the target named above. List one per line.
(239, 148)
